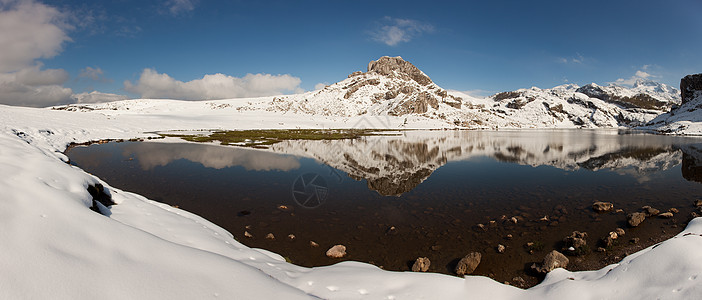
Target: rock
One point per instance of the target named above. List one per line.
(690, 87)
(509, 236)
(468, 264)
(698, 203)
(674, 210)
(620, 231)
(519, 281)
(608, 241)
(553, 260)
(247, 234)
(634, 219)
(650, 211)
(500, 248)
(575, 243)
(291, 237)
(338, 251)
(391, 231)
(618, 210)
(666, 215)
(600, 249)
(270, 236)
(314, 244)
(421, 264)
(600, 206)
(513, 220)
(392, 66)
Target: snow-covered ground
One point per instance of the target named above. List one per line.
(53, 246)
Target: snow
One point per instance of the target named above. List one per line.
(53, 246)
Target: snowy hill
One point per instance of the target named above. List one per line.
(686, 118)
(397, 90)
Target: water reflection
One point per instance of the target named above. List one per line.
(150, 155)
(393, 165)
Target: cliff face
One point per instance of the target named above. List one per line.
(690, 87)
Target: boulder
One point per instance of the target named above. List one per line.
(690, 87)
(634, 219)
(421, 264)
(600, 206)
(468, 264)
(553, 260)
(337, 251)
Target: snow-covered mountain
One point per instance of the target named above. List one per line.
(391, 86)
(394, 88)
(686, 118)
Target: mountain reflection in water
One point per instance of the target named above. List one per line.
(393, 165)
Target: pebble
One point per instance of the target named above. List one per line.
(500, 248)
(247, 234)
(313, 244)
(270, 236)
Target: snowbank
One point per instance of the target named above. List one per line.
(53, 246)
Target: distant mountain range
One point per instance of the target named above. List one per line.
(394, 88)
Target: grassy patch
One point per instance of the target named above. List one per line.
(265, 137)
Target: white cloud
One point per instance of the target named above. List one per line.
(152, 84)
(14, 93)
(95, 74)
(29, 31)
(393, 31)
(577, 59)
(639, 75)
(477, 93)
(177, 7)
(320, 85)
(97, 97)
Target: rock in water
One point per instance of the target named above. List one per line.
(634, 219)
(338, 251)
(575, 243)
(600, 206)
(666, 215)
(468, 264)
(552, 261)
(421, 264)
(650, 211)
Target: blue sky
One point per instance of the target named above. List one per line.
(159, 47)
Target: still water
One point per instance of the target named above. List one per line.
(439, 194)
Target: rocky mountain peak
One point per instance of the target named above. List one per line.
(396, 66)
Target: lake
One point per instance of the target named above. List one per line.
(441, 194)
